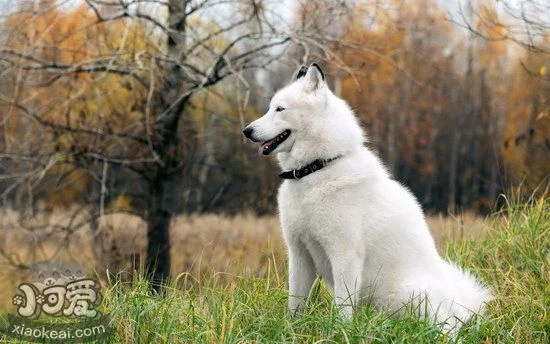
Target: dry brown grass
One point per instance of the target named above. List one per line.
(200, 244)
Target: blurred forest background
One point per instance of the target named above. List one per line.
(136, 107)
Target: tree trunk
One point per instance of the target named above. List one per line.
(158, 231)
(171, 105)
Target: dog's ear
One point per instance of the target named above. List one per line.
(301, 72)
(314, 78)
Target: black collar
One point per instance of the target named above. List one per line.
(308, 169)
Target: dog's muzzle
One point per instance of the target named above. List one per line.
(270, 145)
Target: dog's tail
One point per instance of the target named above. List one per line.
(472, 294)
(468, 295)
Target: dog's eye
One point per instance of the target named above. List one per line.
(279, 108)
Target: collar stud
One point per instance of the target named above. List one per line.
(308, 169)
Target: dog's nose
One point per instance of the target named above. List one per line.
(248, 132)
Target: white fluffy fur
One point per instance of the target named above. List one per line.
(350, 223)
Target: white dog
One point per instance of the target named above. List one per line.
(345, 219)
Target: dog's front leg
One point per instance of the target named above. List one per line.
(347, 270)
(301, 273)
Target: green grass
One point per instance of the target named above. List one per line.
(513, 259)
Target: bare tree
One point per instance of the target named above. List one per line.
(192, 46)
(526, 22)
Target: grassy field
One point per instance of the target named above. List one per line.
(510, 251)
(243, 245)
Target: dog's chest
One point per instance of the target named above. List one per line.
(307, 216)
(300, 207)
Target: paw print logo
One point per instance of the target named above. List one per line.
(69, 275)
(40, 299)
(72, 276)
(49, 282)
(18, 300)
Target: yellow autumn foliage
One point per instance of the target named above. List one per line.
(102, 102)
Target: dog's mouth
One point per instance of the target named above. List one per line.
(270, 145)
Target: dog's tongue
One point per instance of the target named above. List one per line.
(263, 147)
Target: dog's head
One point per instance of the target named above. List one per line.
(289, 111)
